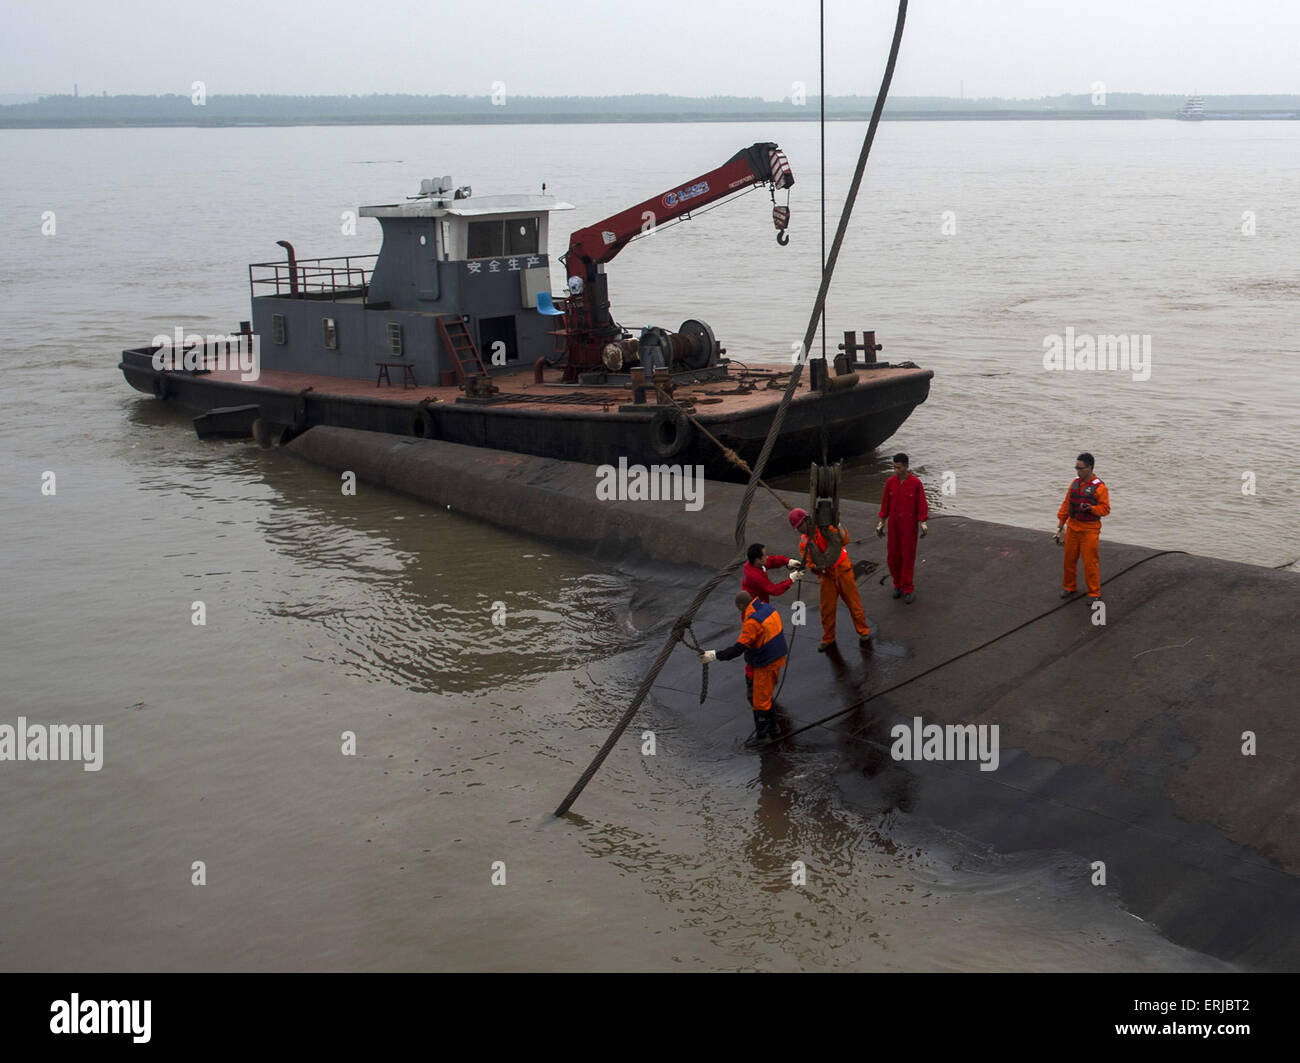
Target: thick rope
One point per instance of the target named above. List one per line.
(688, 636)
(731, 456)
(683, 622)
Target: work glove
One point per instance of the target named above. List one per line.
(797, 576)
(1059, 537)
(708, 656)
(924, 529)
(794, 566)
(880, 528)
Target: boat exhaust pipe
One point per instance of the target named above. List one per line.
(293, 266)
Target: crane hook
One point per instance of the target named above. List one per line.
(781, 218)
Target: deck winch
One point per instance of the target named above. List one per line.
(692, 346)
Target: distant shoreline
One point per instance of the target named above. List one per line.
(1093, 115)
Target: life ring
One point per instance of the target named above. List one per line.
(160, 387)
(670, 432)
(423, 426)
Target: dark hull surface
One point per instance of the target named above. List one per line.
(854, 421)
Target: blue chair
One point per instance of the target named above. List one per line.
(546, 306)
(560, 336)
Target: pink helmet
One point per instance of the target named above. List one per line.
(797, 517)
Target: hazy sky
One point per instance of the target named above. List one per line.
(1012, 48)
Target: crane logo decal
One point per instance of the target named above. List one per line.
(683, 194)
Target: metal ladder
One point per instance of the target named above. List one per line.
(457, 339)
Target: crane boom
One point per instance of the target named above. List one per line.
(588, 325)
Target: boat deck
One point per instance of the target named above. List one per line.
(744, 391)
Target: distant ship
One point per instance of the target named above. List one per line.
(1193, 110)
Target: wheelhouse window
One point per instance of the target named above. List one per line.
(485, 239)
(495, 239)
(521, 236)
(277, 328)
(395, 339)
(331, 334)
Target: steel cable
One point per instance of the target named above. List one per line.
(683, 622)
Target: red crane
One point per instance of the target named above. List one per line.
(588, 324)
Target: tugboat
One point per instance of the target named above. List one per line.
(452, 332)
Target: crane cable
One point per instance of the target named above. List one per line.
(683, 622)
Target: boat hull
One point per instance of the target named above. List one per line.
(853, 421)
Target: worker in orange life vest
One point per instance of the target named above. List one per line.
(905, 508)
(1079, 527)
(756, 584)
(762, 641)
(826, 555)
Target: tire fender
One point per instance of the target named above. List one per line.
(670, 432)
(423, 426)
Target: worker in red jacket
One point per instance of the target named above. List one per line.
(825, 553)
(1079, 527)
(906, 510)
(754, 579)
(762, 641)
(757, 585)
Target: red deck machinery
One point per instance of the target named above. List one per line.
(592, 338)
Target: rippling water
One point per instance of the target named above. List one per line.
(374, 615)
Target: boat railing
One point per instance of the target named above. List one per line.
(342, 276)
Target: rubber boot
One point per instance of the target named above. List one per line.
(760, 734)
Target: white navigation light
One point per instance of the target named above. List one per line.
(575, 285)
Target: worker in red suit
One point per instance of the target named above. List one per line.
(824, 552)
(757, 584)
(762, 641)
(1079, 527)
(905, 509)
(755, 580)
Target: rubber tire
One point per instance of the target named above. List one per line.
(664, 422)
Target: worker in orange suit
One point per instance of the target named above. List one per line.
(1079, 527)
(762, 641)
(905, 508)
(824, 552)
